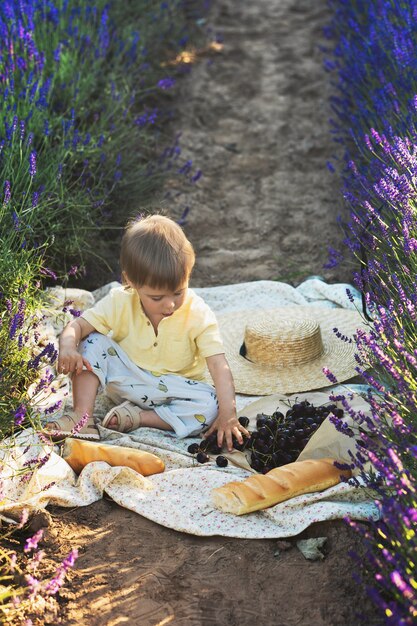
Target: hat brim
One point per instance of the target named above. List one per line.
(262, 379)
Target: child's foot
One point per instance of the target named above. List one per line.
(68, 425)
(123, 418)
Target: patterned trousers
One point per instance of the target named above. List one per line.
(187, 405)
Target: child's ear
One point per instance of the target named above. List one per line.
(125, 281)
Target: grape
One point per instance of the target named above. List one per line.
(222, 461)
(280, 438)
(210, 444)
(244, 421)
(257, 465)
(237, 445)
(261, 419)
(277, 459)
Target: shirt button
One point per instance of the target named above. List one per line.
(148, 323)
(155, 344)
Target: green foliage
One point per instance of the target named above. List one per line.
(85, 120)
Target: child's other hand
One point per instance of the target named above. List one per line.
(227, 426)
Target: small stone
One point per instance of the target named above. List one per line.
(310, 548)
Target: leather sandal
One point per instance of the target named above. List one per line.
(127, 415)
(66, 426)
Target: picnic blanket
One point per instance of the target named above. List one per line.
(179, 498)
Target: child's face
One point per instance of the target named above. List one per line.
(161, 303)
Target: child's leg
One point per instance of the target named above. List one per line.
(84, 392)
(84, 388)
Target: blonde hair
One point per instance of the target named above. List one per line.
(156, 252)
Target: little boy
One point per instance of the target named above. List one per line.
(147, 345)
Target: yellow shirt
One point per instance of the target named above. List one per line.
(183, 342)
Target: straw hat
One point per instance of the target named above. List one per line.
(285, 350)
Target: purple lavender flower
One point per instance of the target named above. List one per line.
(24, 516)
(7, 192)
(48, 272)
(166, 83)
(329, 375)
(183, 219)
(20, 414)
(196, 176)
(184, 169)
(49, 485)
(73, 270)
(53, 586)
(350, 295)
(32, 163)
(34, 585)
(80, 424)
(399, 582)
(32, 542)
(335, 258)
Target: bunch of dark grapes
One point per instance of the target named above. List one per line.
(209, 445)
(280, 438)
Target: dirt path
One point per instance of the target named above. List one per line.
(255, 121)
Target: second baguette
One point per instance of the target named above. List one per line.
(282, 483)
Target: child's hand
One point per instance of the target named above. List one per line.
(70, 360)
(227, 426)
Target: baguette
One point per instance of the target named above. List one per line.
(77, 453)
(282, 483)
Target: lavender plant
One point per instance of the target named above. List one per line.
(375, 82)
(84, 101)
